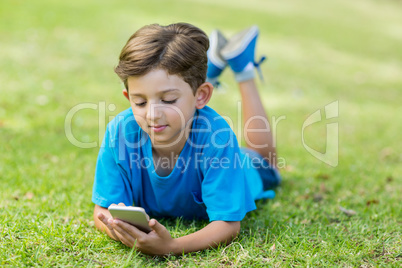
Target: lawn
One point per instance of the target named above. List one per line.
(58, 55)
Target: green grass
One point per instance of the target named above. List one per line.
(55, 55)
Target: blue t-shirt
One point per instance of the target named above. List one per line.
(210, 179)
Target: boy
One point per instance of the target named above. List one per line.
(173, 155)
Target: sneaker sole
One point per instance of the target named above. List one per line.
(217, 42)
(238, 43)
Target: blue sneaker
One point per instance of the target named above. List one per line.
(240, 53)
(216, 63)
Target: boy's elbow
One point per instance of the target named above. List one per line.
(235, 230)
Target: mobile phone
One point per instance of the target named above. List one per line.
(134, 215)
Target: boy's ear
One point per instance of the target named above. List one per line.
(203, 95)
(125, 93)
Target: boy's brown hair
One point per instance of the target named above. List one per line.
(179, 49)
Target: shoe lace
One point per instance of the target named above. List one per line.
(220, 87)
(257, 66)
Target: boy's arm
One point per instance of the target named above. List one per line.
(160, 242)
(210, 236)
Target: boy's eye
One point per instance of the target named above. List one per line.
(140, 104)
(169, 102)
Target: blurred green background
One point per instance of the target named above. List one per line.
(55, 55)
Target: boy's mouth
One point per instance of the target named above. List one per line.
(157, 128)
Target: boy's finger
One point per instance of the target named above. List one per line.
(102, 216)
(104, 219)
(129, 229)
(124, 235)
(156, 226)
(126, 240)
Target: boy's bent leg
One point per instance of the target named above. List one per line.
(257, 129)
(240, 54)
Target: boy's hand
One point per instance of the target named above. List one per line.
(104, 216)
(157, 242)
(105, 220)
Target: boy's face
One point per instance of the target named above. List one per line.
(163, 106)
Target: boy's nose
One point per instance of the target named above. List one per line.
(154, 112)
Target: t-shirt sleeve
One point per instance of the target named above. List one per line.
(225, 191)
(111, 183)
